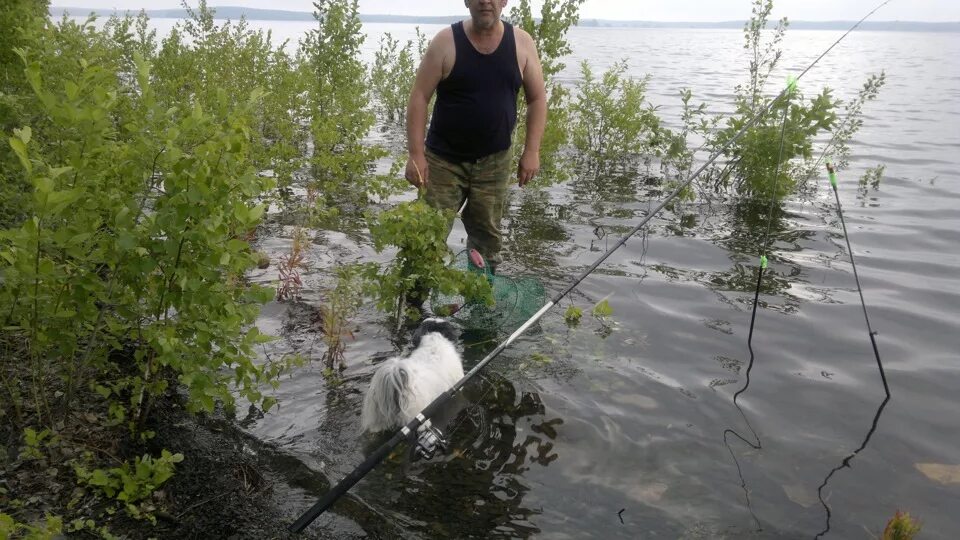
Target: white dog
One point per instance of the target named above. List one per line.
(402, 387)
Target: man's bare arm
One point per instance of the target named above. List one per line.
(428, 77)
(536, 96)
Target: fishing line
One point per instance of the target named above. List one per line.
(876, 353)
(422, 419)
(765, 246)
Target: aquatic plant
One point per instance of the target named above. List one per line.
(419, 232)
(677, 159)
(572, 315)
(334, 82)
(336, 315)
(901, 527)
(392, 74)
(870, 180)
(290, 265)
(838, 147)
(613, 123)
(549, 32)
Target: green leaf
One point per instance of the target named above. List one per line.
(268, 403)
(71, 89)
(126, 241)
(241, 212)
(56, 172)
(30, 436)
(20, 149)
(43, 185)
(79, 238)
(257, 212)
(58, 200)
(99, 478)
(24, 134)
(602, 309)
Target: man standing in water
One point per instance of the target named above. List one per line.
(476, 67)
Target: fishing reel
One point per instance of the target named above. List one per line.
(429, 440)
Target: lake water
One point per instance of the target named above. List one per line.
(621, 433)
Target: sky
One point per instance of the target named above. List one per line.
(646, 10)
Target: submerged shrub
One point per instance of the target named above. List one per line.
(419, 232)
(757, 164)
(336, 315)
(200, 60)
(612, 121)
(549, 32)
(338, 107)
(393, 72)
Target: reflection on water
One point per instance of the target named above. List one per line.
(477, 489)
(534, 231)
(846, 464)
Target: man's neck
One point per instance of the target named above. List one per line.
(483, 33)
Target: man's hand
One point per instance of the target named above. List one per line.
(529, 166)
(418, 172)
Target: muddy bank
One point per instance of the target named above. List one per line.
(231, 485)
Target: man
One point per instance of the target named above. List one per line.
(476, 67)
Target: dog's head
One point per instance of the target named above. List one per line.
(443, 327)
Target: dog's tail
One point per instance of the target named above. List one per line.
(386, 398)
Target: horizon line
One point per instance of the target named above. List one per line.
(159, 13)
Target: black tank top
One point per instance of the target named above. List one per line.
(476, 108)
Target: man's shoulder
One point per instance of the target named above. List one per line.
(445, 33)
(523, 38)
(443, 39)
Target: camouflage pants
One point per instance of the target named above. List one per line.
(483, 185)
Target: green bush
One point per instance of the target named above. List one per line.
(753, 160)
(419, 232)
(200, 61)
(130, 238)
(612, 121)
(50, 528)
(19, 19)
(131, 483)
(392, 74)
(755, 155)
(338, 106)
(549, 32)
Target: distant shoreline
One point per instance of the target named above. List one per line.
(253, 14)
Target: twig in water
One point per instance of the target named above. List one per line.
(201, 503)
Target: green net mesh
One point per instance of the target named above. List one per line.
(515, 300)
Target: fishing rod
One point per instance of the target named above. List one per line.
(791, 89)
(832, 172)
(430, 435)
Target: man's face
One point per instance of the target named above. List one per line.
(485, 13)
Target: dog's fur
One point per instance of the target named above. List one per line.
(402, 387)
